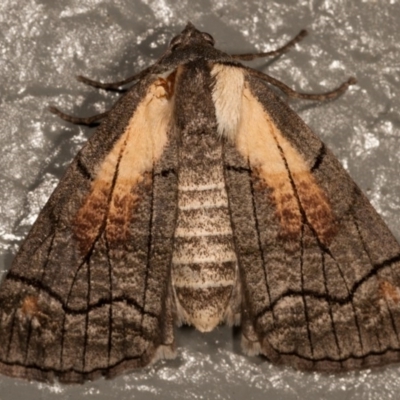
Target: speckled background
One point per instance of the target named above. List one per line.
(44, 44)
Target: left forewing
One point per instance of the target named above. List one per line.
(320, 270)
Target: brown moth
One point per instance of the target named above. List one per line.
(202, 198)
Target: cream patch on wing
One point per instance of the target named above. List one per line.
(227, 98)
(284, 171)
(242, 119)
(134, 154)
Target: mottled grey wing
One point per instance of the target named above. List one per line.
(320, 271)
(87, 294)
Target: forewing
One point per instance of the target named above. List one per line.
(87, 294)
(320, 271)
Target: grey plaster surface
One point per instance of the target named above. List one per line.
(44, 44)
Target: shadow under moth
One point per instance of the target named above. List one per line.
(202, 198)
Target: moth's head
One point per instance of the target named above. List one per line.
(191, 36)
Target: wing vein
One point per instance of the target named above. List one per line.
(110, 309)
(349, 293)
(306, 316)
(85, 336)
(87, 258)
(257, 226)
(61, 371)
(392, 322)
(83, 169)
(320, 157)
(338, 300)
(341, 360)
(100, 303)
(149, 248)
(11, 334)
(330, 304)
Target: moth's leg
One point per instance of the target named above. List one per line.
(76, 120)
(113, 85)
(308, 96)
(250, 342)
(167, 348)
(281, 50)
(233, 312)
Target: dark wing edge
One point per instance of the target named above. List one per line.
(319, 299)
(76, 314)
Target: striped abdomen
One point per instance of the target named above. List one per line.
(204, 265)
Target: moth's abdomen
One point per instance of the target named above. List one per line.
(204, 260)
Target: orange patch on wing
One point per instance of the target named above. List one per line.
(112, 197)
(282, 168)
(29, 306)
(389, 291)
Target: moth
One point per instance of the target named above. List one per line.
(202, 198)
